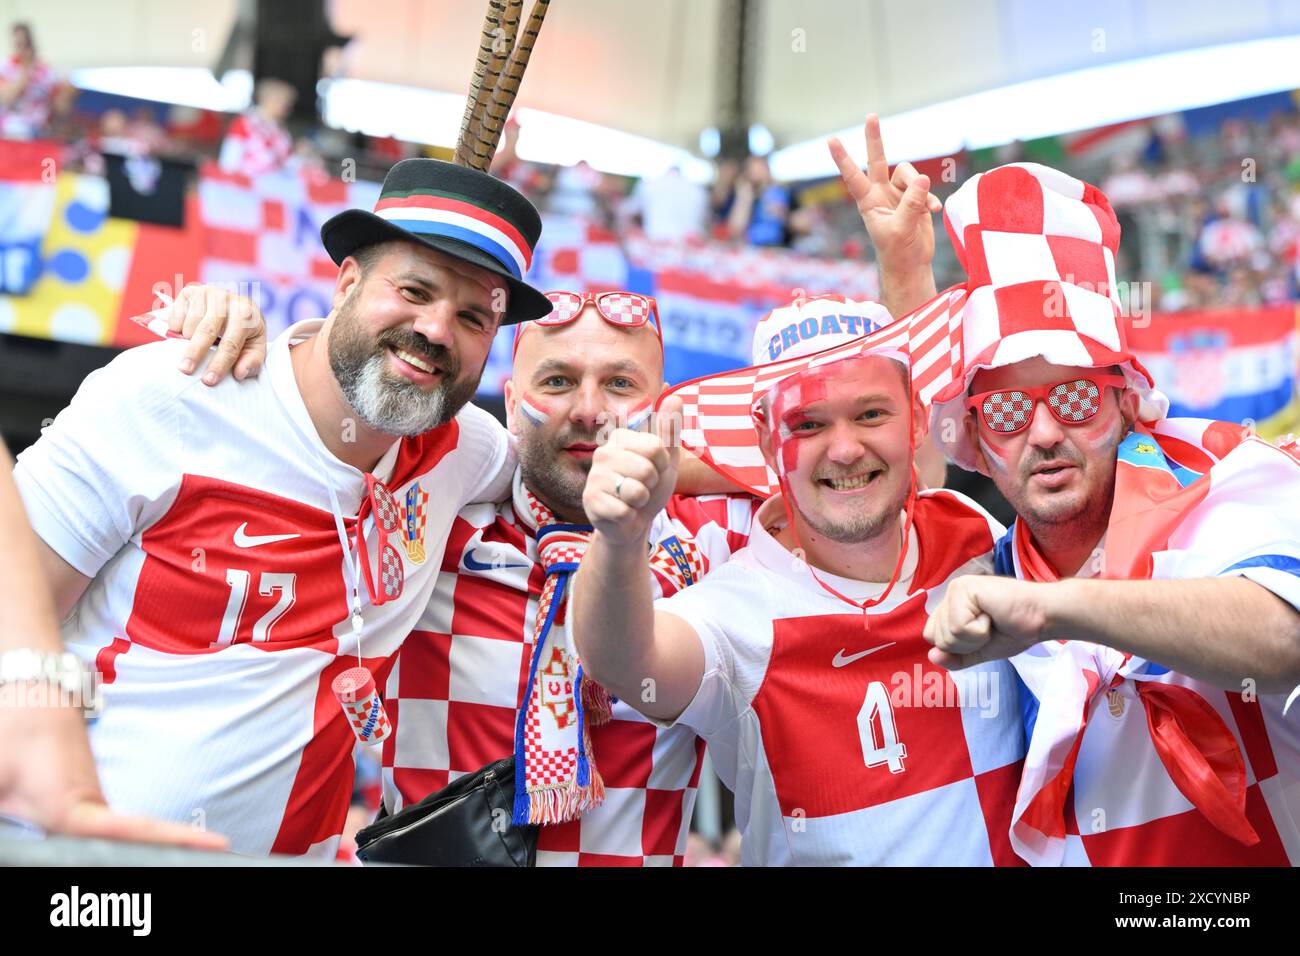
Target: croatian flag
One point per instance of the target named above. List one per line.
(1130, 763)
(1229, 365)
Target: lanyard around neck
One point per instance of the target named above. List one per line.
(351, 562)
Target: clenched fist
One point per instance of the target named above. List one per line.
(632, 476)
(985, 619)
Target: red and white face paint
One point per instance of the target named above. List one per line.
(804, 408)
(841, 439)
(534, 410)
(1047, 435)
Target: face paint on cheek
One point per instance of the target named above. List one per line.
(638, 416)
(1096, 434)
(996, 459)
(534, 411)
(787, 399)
(786, 450)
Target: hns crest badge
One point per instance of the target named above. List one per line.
(416, 511)
(679, 560)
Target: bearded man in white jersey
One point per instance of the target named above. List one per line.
(221, 555)
(801, 661)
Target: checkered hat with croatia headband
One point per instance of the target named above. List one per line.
(719, 411)
(1038, 248)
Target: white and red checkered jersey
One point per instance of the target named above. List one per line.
(29, 114)
(1138, 793)
(1123, 807)
(218, 612)
(843, 744)
(255, 145)
(454, 692)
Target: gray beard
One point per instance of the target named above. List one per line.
(384, 402)
(386, 406)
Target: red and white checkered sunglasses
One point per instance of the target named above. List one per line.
(1006, 411)
(386, 584)
(628, 310)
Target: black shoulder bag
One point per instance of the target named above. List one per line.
(466, 823)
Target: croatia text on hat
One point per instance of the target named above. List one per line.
(810, 328)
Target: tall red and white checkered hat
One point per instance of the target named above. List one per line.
(719, 423)
(1038, 248)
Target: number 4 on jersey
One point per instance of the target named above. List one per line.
(877, 710)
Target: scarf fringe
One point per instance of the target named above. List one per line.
(562, 803)
(596, 702)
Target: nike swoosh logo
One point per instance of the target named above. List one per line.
(473, 565)
(245, 540)
(842, 659)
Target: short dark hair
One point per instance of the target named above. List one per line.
(367, 256)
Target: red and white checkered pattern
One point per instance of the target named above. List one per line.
(820, 721)
(254, 146)
(555, 742)
(548, 766)
(621, 308)
(629, 310)
(717, 413)
(392, 574)
(565, 305)
(1038, 248)
(210, 703)
(1007, 411)
(454, 692)
(359, 715)
(663, 563)
(387, 514)
(264, 229)
(1076, 401)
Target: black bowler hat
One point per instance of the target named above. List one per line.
(457, 210)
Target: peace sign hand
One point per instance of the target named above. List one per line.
(896, 210)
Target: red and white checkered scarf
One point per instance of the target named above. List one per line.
(555, 777)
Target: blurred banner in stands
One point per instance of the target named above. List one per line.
(1234, 365)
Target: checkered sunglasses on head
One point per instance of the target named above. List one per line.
(385, 582)
(628, 310)
(1005, 411)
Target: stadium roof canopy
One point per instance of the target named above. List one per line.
(651, 68)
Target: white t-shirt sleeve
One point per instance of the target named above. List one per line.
(231, 157)
(491, 458)
(1247, 526)
(720, 698)
(109, 464)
